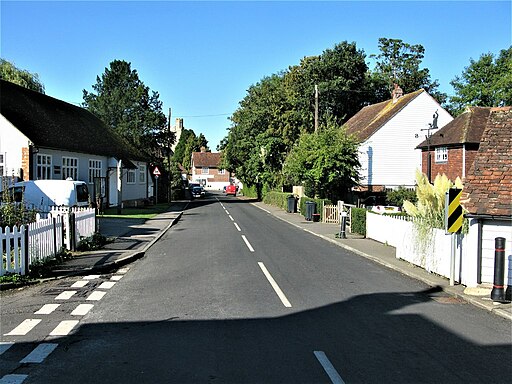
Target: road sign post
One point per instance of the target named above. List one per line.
(453, 224)
(156, 173)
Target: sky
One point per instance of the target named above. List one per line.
(202, 56)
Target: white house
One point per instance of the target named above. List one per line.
(388, 133)
(45, 138)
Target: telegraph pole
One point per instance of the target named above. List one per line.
(316, 108)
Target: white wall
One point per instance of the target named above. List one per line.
(11, 142)
(389, 156)
(491, 230)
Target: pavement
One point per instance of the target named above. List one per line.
(133, 237)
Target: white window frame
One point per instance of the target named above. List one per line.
(95, 167)
(142, 174)
(131, 176)
(69, 167)
(222, 171)
(2, 164)
(205, 170)
(441, 155)
(44, 168)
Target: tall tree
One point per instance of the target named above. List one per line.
(9, 72)
(126, 105)
(399, 62)
(486, 82)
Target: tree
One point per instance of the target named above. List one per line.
(9, 72)
(122, 101)
(399, 63)
(326, 160)
(486, 82)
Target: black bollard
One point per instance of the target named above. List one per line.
(498, 288)
(343, 233)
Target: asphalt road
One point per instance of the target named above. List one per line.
(232, 295)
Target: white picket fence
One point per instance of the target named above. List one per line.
(23, 246)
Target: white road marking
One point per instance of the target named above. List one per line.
(47, 309)
(237, 227)
(80, 284)
(66, 295)
(123, 270)
(64, 328)
(96, 295)
(247, 243)
(92, 277)
(13, 379)
(274, 285)
(41, 352)
(263, 209)
(231, 217)
(5, 345)
(24, 328)
(227, 212)
(107, 285)
(329, 368)
(82, 309)
(116, 277)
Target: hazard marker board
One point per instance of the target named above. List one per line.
(453, 211)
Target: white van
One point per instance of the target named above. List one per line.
(41, 194)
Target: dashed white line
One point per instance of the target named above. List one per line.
(116, 277)
(329, 368)
(107, 285)
(64, 328)
(47, 309)
(237, 227)
(13, 379)
(247, 243)
(123, 270)
(274, 285)
(92, 277)
(66, 295)
(96, 295)
(80, 284)
(25, 327)
(41, 352)
(227, 211)
(82, 309)
(4, 346)
(231, 217)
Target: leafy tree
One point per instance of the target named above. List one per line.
(486, 82)
(399, 63)
(125, 104)
(397, 197)
(9, 72)
(326, 160)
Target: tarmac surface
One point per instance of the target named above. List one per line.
(133, 237)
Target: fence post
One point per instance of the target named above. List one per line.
(25, 247)
(72, 231)
(54, 220)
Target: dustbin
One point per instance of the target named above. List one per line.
(292, 204)
(310, 210)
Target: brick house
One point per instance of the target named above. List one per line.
(45, 138)
(487, 195)
(453, 148)
(205, 170)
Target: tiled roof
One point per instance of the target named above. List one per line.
(53, 123)
(372, 117)
(464, 129)
(488, 187)
(206, 159)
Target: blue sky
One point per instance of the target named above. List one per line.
(202, 56)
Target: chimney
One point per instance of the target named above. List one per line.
(203, 149)
(397, 93)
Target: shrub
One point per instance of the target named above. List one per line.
(396, 197)
(319, 205)
(277, 199)
(358, 221)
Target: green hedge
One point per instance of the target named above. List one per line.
(319, 205)
(277, 199)
(358, 220)
(250, 191)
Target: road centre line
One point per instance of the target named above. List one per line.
(227, 212)
(13, 379)
(82, 309)
(64, 328)
(328, 367)
(274, 285)
(107, 285)
(24, 328)
(80, 284)
(247, 243)
(96, 296)
(237, 227)
(47, 309)
(116, 277)
(231, 217)
(5, 345)
(91, 277)
(66, 295)
(41, 352)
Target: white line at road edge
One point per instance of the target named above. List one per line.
(329, 368)
(247, 243)
(274, 285)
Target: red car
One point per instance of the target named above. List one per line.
(231, 190)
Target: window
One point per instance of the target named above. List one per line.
(44, 167)
(222, 171)
(69, 168)
(142, 174)
(130, 176)
(94, 170)
(441, 155)
(2, 164)
(205, 171)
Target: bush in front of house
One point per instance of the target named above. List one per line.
(358, 221)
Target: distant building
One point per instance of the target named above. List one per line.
(178, 130)
(205, 170)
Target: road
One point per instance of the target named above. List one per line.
(233, 295)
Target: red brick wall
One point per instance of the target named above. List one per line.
(25, 162)
(453, 168)
(217, 178)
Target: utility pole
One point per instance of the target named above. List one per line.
(169, 191)
(316, 108)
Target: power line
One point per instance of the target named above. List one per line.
(220, 114)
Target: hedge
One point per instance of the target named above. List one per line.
(277, 199)
(358, 221)
(319, 205)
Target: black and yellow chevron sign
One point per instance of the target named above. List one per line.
(454, 215)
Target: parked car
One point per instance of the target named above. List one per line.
(197, 192)
(231, 190)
